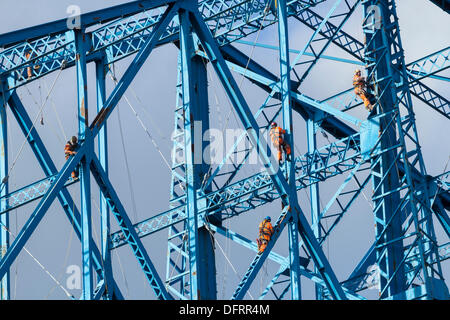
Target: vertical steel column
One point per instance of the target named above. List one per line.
(4, 218)
(84, 175)
(385, 175)
(314, 192)
(408, 227)
(188, 82)
(176, 248)
(196, 123)
(200, 109)
(287, 124)
(100, 71)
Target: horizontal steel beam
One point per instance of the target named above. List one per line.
(228, 21)
(85, 20)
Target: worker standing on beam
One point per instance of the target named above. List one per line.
(277, 137)
(360, 86)
(265, 233)
(28, 56)
(70, 149)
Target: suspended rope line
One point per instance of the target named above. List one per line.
(228, 251)
(98, 238)
(117, 255)
(66, 257)
(149, 135)
(216, 98)
(5, 179)
(183, 240)
(123, 274)
(144, 127)
(208, 174)
(438, 187)
(130, 184)
(38, 106)
(226, 257)
(154, 124)
(248, 63)
(40, 265)
(58, 119)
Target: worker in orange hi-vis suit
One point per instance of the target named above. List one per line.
(70, 150)
(265, 233)
(30, 69)
(360, 86)
(277, 136)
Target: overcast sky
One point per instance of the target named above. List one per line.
(144, 190)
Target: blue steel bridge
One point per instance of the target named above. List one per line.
(378, 158)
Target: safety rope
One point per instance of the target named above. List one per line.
(58, 119)
(5, 179)
(225, 255)
(149, 135)
(177, 259)
(38, 107)
(66, 257)
(439, 187)
(40, 265)
(127, 166)
(266, 11)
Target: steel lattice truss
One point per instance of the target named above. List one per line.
(382, 152)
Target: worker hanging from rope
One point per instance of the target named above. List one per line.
(360, 86)
(277, 136)
(70, 149)
(265, 233)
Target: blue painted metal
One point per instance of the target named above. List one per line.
(105, 228)
(38, 213)
(305, 53)
(176, 251)
(426, 66)
(4, 219)
(191, 151)
(280, 184)
(277, 258)
(130, 73)
(311, 129)
(242, 196)
(228, 20)
(315, 33)
(392, 194)
(318, 50)
(259, 259)
(127, 229)
(39, 189)
(430, 64)
(85, 20)
(443, 4)
(395, 169)
(286, 109)
(87, 292)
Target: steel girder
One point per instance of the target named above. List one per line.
(150, 223)
(325, 161)
(228, 20)
(396, 234)
(104, 112)
(85, 153)
(443, 4)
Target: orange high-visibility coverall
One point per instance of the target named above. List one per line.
(69, 150)
(276, 134)
(29, 69)
(265, 233)
(359, 83)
